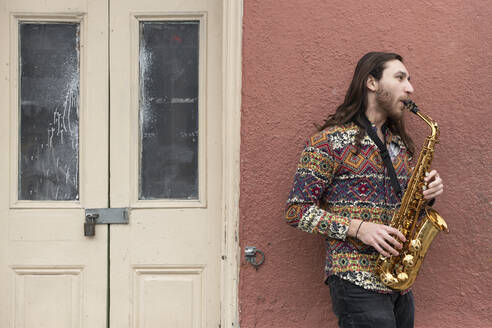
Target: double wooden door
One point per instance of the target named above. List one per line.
(110, 104)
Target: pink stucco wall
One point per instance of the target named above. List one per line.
(298, 58)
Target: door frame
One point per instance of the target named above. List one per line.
(231, 139)
(232, 11)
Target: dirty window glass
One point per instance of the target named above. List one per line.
(49, 111)
(168, 73)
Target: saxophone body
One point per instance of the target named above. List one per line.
(399, 272)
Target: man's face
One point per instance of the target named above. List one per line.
(393, 88)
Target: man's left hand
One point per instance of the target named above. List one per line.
(433, 185)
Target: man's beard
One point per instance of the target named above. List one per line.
(387, 104)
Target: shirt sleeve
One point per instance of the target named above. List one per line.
(313, 177)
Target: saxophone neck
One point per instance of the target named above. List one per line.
(432, 124)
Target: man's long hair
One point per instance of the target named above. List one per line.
(355, 103)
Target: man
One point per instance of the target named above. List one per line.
(343, 190)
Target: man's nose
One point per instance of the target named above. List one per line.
(408, 87)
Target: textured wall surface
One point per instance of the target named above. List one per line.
(298, 58)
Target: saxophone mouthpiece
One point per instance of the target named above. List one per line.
(411, 106)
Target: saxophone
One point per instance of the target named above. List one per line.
(399, 272)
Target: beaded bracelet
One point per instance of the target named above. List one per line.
(358, 229)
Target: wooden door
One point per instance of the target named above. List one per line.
(115, 104)
(166, 162)
(54, 162)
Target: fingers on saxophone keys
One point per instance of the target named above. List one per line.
(384, 248)
(387, 247)
(437, 181)
(395, 243)
(430, 175)
(432, 193)
(440, 190)
(381, 251)
(397, 233)
(434, 185)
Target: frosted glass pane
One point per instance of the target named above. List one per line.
(169, 110)
(49, 111)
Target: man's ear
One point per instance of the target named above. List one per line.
(372, 83)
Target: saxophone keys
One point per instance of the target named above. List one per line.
(415, 245)
(402, 277)
(388, 279)
(408, 261)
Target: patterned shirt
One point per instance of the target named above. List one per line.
(334, 184)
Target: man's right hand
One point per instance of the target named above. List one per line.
(379, 236)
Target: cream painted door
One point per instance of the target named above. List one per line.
(54, 162)
(163, 117)
(166, 157)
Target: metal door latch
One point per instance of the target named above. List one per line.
(95, 216)
(250, 253)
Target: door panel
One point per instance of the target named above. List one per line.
(166, 155)
(53, 104)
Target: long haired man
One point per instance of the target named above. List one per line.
(343, 190)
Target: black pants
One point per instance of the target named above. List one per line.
(356, 307)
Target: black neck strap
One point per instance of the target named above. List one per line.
(362, 120)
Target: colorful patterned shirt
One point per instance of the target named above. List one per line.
(334, 184)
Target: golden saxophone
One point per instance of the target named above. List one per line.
(399, 272)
